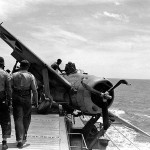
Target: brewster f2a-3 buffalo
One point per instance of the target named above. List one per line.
(87, 94)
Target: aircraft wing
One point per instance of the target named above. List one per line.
(129, 125)
(20, 52)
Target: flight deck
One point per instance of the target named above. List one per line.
(55, 132)
(46, 132)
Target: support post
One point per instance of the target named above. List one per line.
(46, 84)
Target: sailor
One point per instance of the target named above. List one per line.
(23, 82)
(70, 68)
(5, 101)
(55, 65)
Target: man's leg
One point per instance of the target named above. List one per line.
(18, 120)
(27, 118)
(6, 128)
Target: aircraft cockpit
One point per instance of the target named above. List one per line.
(70, 68)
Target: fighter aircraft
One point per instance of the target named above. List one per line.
(88, 94)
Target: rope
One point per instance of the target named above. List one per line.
(126, 137)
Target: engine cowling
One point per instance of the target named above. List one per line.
(88, 102)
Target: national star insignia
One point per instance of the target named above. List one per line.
(11, 42)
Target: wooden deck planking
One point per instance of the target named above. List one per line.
(44, 133)
(63, 135)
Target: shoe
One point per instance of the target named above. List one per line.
(4, 145)
(20, 145)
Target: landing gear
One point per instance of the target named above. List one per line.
(92, 132)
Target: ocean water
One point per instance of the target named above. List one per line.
(133, 104)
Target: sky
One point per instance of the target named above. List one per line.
(105, 38)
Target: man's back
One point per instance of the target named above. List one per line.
(4, 81)
(55, 66)
(22, 80)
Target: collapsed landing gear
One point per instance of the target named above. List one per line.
(89, 130)
(90, 135)
(92, 132)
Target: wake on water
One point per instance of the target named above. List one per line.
(132, 104)
(123, 138)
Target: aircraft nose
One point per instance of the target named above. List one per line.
(102, 86)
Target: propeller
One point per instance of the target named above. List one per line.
(92, 90)
(105, 97)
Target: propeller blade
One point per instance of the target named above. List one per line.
(117, 84)
(106, 123)
(90, 88)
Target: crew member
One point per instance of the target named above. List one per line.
(23, 82)
(55, 65)
(70, 68)
(5, 100)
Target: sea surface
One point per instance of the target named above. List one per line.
(133, 104)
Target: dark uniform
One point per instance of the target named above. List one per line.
(23, 82)
(5, 97)
(70, 68)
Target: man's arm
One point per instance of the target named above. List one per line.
(15, 67)
(60, 69)
(8, 89)
(35, 96)
(34, 90)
